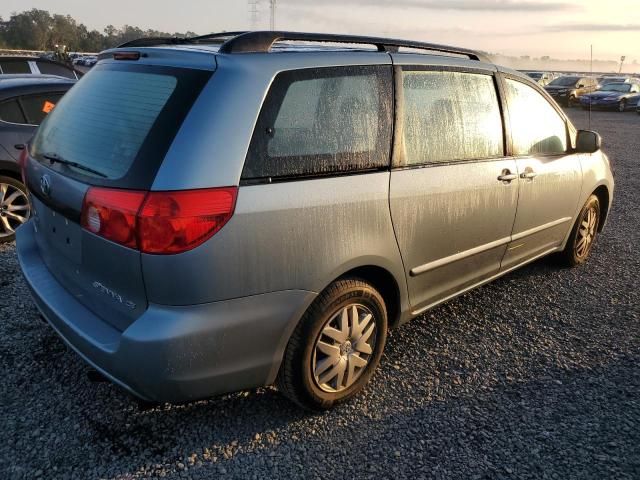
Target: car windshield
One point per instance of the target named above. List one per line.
(564, 81)
(535, 75)
(616, 87)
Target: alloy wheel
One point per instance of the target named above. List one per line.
(344, 348)
(586, 232)
(14, 209)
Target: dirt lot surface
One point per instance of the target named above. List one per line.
(534, 376)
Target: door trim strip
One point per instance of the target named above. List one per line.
(458, 256)
(419, 270)
(531, 231)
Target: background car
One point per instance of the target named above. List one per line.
(568, 89)
(36, 65)
(541, 78)
(621, 79)
(25, 100)
(613, 95)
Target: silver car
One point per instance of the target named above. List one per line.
(236, 210)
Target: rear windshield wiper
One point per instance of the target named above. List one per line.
(55, 158)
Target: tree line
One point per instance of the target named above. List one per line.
(40, 30)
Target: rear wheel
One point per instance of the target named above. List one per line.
(583, 235)
(14, 207)
(337, 346)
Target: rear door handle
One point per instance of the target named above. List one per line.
(507, 176)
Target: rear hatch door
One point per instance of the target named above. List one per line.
(111, 130)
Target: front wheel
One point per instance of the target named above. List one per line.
(583, 235)
(336, 347)
(622, 106)
(14, 207)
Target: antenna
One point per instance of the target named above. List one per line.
(273, 15)
(591, 71)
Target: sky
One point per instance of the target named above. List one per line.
(558, 28)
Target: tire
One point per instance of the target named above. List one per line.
(306, 374)
(571, 101)
(14, 207)
(622, 106)
(575, 252)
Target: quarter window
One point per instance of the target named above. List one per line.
(450, 116)
(10, 112)
(536, 127)
(36, 107)
(55, 69)
(14, 66)
(322, 121)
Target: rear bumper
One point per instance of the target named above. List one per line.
(172, 354)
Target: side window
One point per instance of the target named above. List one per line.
(10, 112)
(322, 121)
(536, 127)
(55, 69)
(36, 107)
(450, 116)
(15, 66)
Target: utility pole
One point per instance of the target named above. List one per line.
(622, 59)
(252, 6)
(273, 15)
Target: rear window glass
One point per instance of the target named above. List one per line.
(10, 112)
(322, 121)
(36, 107)
(109, 116)
(55, 69)
(15, 66)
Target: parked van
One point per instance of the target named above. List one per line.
(237, 210)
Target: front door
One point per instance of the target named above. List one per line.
(550, 177)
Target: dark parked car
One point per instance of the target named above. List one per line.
(36, 65)
(620, 96)
(567, 90)
(24, 102)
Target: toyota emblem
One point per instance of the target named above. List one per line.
(45, 185)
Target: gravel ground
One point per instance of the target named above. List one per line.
(534, 376)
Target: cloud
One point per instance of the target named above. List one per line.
(457, 5)
(592, 27)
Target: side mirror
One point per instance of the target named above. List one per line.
(588, 141)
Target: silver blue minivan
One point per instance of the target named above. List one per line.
(236, 210)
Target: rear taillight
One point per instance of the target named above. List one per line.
(158, 222)
(111, 214)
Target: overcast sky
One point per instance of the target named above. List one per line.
(558, 28)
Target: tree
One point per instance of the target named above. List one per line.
(39, 30)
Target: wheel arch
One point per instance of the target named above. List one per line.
(10, 169)
(602, 192)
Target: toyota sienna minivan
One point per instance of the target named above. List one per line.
(236, 210)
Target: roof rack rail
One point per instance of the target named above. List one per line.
(153, 41)
(218, 35)
(262, 41)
